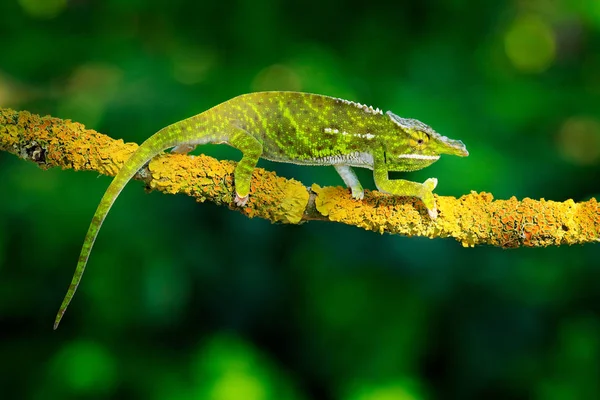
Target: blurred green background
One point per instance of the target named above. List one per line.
(192, 301)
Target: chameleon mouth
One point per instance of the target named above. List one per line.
(419, 157)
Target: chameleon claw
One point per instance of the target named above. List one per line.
(240, 201)
(433, 213)
(358, 194)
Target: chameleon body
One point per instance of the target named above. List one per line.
(293, 127)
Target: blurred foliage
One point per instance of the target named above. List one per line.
(192, 301)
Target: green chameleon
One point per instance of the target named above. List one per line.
(298, 128)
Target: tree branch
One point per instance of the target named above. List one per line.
(472, 219)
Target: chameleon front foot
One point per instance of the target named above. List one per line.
(400, 187)
(427, 197)
(351, 180)
(357, 193)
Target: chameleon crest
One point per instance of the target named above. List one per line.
(298, 128)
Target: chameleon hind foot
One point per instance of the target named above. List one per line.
(240, 201)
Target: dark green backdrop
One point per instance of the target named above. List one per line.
(192, 301)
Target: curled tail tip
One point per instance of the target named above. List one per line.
(57, 321)
(59, 315)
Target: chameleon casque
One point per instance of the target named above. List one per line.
(298, 128)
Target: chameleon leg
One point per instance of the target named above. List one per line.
(401, 187)
(251, 150)
(351, 180)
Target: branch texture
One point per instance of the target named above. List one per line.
(472, 219)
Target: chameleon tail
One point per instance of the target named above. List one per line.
(164, 139)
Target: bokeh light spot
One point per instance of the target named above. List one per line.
(43, 9)
(579, 140)
(277, 77)
(594, 12)
(229, 369)
(530, 44)
(90, 89)
(238, 385)
(85, 367)
(192, 66)
(391, 391)
(589, 10)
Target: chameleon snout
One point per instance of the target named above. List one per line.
(457, 148)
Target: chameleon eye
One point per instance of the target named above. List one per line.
(419, 140)
(423, 138)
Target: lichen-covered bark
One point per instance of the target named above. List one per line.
(472, 219)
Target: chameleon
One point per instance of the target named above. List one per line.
(292, 127)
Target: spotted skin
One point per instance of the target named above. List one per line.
(298, 128)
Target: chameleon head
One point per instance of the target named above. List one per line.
(417, 146)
